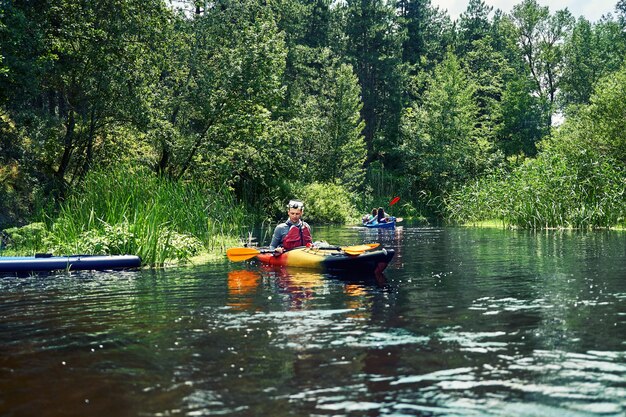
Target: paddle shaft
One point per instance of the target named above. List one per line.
(243, 254)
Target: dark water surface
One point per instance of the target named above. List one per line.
(469, 322)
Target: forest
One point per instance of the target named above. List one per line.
(166, 128)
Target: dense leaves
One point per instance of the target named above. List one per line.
(441, 138)
(267, 100)
(577, 180)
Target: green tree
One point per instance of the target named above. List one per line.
(374, 48)
(473, 25)
(590, 52)
(318, 29)
(24, 54)
(578, 178)
(85, 75)
(441, 140)
(601, 125)
(490, 72)
(428, 34)
(620, 8)
(346, 151)
(540, 36)
(216, 95)
(524, 118)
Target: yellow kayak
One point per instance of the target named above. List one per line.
(335, 259)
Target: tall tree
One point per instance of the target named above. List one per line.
(540, 35)
(590, 52)
(620, 8)
(346, 150)
(524, 116)
(307, 28)
(441, 141)
(375, 50)
(473, 25)
(490, 72)
(429, 33)
(91, 77)
(217, 93)
(416, 18)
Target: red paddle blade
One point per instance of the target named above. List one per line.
(394, 201)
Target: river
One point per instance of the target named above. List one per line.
(465, 322)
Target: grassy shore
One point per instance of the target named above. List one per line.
(136, 212)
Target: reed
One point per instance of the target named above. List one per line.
(385, 184)
(551, 191)
(128, 211)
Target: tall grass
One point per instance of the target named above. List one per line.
(384, 185)
(136, 212)
(552, 191)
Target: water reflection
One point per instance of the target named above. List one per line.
(242, 286)
(465, 322)
(297, 288)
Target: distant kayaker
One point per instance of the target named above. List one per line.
(294, 232)
(369, 218)
(381, 216)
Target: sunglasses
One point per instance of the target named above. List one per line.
(296, 205)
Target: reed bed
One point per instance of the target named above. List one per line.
(137, 212)
(549, 192)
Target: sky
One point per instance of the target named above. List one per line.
(591, 10)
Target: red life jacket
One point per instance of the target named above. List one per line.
(297, 236)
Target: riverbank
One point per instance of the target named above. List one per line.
(135, 213)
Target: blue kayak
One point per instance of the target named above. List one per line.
(45, 262)
(389, 224)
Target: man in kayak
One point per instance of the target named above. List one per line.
(292, 233)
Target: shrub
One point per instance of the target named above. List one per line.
(28, 238)
(328, 203)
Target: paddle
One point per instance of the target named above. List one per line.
(391, 203)
(352, 250)
(243, 254)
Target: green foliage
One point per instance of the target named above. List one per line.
(133, 211)
(328, 203)
(18, 184)
(215, 96)
(578, 179)
(341, 152)
(604, 121)
(441, 141)
(429, 34)
(387, 184)
(474, 25)
(374, 48)
(248, 97)
(524, 119)
(590, 52)
(541, 35)
(28, 238)
(552, 191)
(325, 130)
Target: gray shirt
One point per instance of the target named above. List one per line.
(281, 231)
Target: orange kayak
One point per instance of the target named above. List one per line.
(330, 260)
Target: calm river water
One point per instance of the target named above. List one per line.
(469, 322)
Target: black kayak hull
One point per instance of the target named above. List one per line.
(68, 263)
